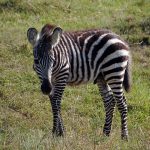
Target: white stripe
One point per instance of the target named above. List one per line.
(118, 90)
(96, 43)
(121, 64)
(80, 64)
(67, 46)
(84, 58)
(116, 54)
(74, 58)
(90, 53)
(120, 73)
(116, 85)
(102, 50)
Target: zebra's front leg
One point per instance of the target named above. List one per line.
(58, 128)
(109, 105)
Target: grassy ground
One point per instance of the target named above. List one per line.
(25, 114)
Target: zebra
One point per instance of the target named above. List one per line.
(75, 57)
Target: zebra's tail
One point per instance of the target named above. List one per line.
(128, 76)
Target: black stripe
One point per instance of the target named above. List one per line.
(114, 77)
(113, 70)
(111, 49)
(115, 83)
(114, 60)
(71, 57)
(84, 35)
(87, 49)
(76, 60)
(98, 47)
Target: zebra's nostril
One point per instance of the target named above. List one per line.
(46, 87)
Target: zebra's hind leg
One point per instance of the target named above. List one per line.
(109, 104)
(118, 93)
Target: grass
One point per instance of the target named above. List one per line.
(25, 114)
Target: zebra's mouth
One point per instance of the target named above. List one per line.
(46, 87)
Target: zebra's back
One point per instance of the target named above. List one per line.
(94, 52)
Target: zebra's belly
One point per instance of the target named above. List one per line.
(78, 83)
(81, 80)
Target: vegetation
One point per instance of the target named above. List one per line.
(25, 114)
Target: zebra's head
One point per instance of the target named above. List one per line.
(43, 44)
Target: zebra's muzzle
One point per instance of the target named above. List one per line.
(46, 87)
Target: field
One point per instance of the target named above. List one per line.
(25, 114)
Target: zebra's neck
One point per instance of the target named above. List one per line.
(74, 52)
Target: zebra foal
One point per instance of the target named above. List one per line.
(73, 58)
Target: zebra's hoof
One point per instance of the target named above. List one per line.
(124, 137)
(57, 133)
(106, 132)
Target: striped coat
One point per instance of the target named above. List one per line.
(73, 58)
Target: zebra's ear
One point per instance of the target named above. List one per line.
(32, 35)
(56, 34)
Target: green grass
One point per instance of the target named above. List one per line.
(25, 114)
